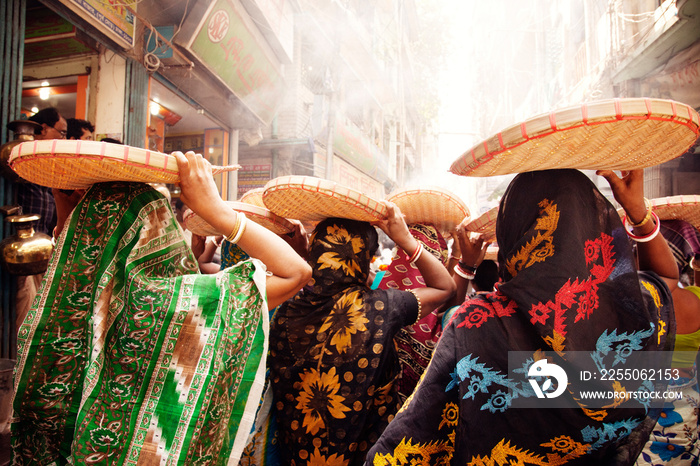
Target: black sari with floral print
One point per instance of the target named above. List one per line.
(332, 358)
(570, 287)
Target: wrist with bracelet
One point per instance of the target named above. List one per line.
(647, 237)
(416, 253)
(467, 272)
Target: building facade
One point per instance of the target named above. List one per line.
(281, 87)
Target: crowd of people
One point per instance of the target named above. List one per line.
(144, 346)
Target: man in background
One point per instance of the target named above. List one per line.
(36, 199)
(80, 129)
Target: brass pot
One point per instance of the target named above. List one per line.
(24, 131)
(27, 252)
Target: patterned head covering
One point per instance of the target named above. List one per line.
(570, 285)
(556, 224)
(342, 250)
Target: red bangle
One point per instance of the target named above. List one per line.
(416, 254)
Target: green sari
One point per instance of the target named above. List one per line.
(128, 356)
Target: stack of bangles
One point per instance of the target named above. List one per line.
(416, 253)
(650, 215)
(467, 272)
(238, 228)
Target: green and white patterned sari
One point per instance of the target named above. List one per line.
(128, 356)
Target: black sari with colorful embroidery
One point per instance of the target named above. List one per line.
(332, 358)
(570, 285)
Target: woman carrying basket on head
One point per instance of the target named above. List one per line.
(332, 357)
(569, 287)
(128, 354)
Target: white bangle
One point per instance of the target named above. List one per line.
(417, 254)
(459, 271)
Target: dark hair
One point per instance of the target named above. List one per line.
(76, 127)
(486, 275)
(47, 116)
(111, 140)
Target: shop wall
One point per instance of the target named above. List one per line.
(109, 97)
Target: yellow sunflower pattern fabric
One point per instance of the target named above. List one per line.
(332, 358)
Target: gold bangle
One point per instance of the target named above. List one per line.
(241, 228)
(236, 228)
(646, 218)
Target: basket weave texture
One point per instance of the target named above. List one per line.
(254, 197)
(308, 198)
(437, 206)
(485, 224)
(619, 134)
(69, 164)
(259, 215)
(683, 207)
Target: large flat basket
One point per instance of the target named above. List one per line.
(619, 134)
(71, 164)
(437, 206)
(308, 198)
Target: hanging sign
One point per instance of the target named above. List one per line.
(228, 44)
(110, 17)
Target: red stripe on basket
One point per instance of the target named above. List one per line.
(618, 109)
(523, 131)
(584, 113)
(35, 143)
(77, 149)
(500, 140)
(647, 102)
(486, 148)
(148, 157)
(126, 153)
(673, 107)
(553, 121)
(53, 147)
(691, 125)
(103, 149)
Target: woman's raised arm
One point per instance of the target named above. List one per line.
(439, 286)
(199, 192)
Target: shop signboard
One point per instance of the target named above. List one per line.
(110, 17)
(354, 147)
(349, 176)
(229, 45)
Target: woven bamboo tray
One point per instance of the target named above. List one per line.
(259, 215)
(485, 224)
(683, 207)
(254, 197)
(70, 164)
(620, 134)
(434, 205)
(308, 198)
